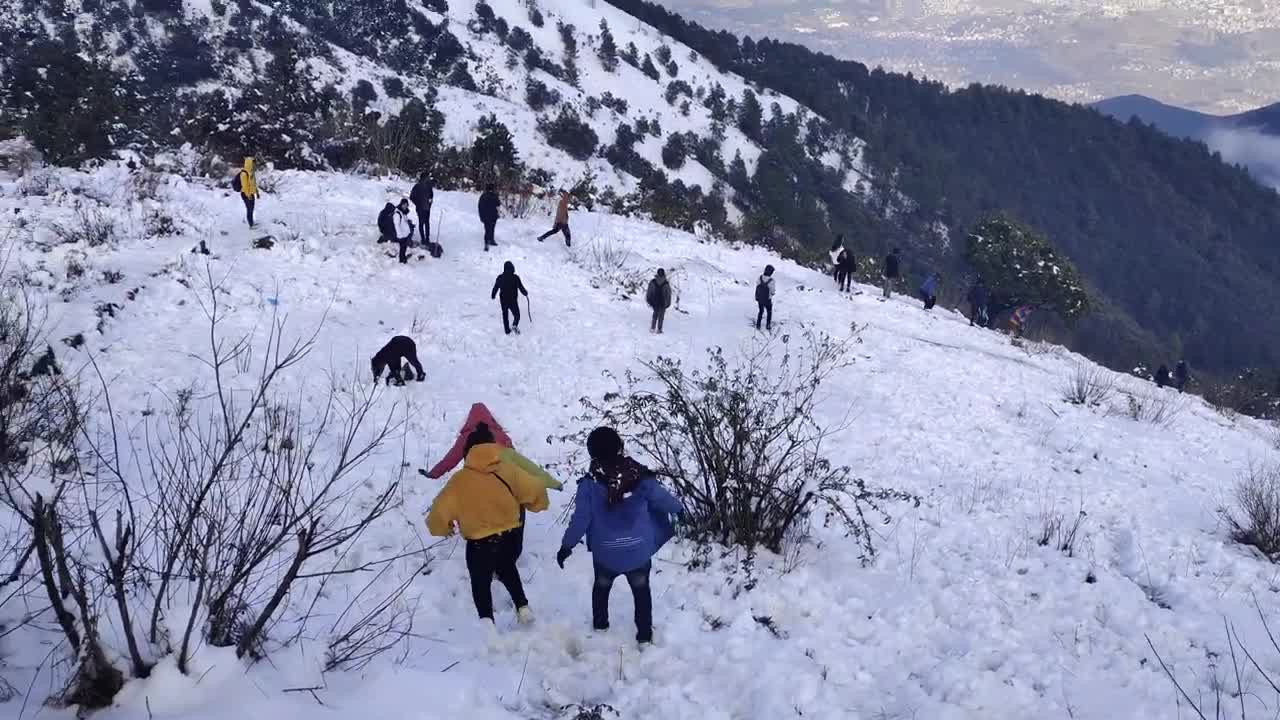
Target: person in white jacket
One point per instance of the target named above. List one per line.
(404, 229)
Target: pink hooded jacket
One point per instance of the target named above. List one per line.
(479, 414)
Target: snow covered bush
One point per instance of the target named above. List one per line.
(1088, 385)
(741, 443)
(1255, 520)
(90, 227)
(611, 264)
(1160, 408)
(569, 133)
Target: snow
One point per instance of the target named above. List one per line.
(962, 615)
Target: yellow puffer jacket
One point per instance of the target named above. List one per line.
(248, 181)
(485, 496)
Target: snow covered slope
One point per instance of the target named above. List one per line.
(963, 614)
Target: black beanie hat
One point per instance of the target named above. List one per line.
(480, 436)
(604, 444)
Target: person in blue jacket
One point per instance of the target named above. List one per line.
(625, 514)
(929, 291)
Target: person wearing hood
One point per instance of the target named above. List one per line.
(1180, 376)
(404, 229)
(562, 221)
(483, 501)
(1162, 376)
(658, 296)
(892, 271)
(978, 298)
(422, 195)
(764, 298)
(625, 515)
(479, 418)
(929, 291)
(246, 183)
(488, 207)
(508, 288)
(397, 349)
(387, 223)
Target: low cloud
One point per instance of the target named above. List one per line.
(1256, 150)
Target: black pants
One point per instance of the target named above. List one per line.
(929, 300)
(494, 555)
(510, 315)
(558, 228)
(659, 314)
(638, 579)
(846, 280)
(766, 308)
(424, 224)
(397, 369)
(404, 248)
(249, 202)
(488, 234)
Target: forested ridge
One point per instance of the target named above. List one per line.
(1179, 248)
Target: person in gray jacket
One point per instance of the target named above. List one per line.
(658, 296)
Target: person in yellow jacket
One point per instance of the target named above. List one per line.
(485, 499)
(562, 221)
(246, 183)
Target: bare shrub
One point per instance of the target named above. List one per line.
(38, 182)
(1088, 385)
(91, 227)
(1161, 408)
(520, 202)
(19, 156)
(611, 264)
(363, 631)
(1059, 532)
(741, 446)
(1255, 520)
(146, 184)
(160, 224)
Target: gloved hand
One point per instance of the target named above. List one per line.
(563, 555)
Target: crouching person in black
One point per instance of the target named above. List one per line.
(399, 348)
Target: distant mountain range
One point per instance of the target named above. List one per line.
(1251, 138)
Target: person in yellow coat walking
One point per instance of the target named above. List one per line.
(484, 500)
(246, 183)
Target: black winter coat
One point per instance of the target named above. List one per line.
(891, 269)
(507, 285)
(488, 207)
(422, 194)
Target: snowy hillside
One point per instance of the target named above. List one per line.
(963, 614)
(300, 83)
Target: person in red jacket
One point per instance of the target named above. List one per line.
(479, 418)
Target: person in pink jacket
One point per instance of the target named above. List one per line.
(478, 417)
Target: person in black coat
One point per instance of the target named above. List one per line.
(1180, 376)
(1162, 376)
(397, 349)
(979, 296)
(489, 214)
(892, 271)
(508, 288)
(422, 195)
(848, 266)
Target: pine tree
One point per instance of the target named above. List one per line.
(750, 116)
(608, 51)
(648, 68)
(493, 152)
(1021, 267)
(739, 179)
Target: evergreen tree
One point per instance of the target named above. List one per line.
(674, 151)
(751, 116)
(739, 178)
(1020, 267)
(493, 152)
(648, 68)
(608, 51)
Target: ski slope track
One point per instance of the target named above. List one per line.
(962, 615)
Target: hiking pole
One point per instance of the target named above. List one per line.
(528, 309)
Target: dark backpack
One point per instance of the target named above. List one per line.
(387, 222)
(762, 291)
(236, 184)
(435, 249)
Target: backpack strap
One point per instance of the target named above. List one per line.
(507, 485)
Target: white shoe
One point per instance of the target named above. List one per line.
(524, 615)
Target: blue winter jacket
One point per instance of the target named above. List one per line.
(623, 537)
(930, 285)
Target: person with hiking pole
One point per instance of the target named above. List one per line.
(508, 288)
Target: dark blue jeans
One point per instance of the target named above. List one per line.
(638, 579)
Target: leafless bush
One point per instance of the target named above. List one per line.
(1059, 532)
(1161, 408)
(146, 184)
(519, 202)
(610, 263)
(740, 444)
(90, 227)
(362, 632)
(39, 182)
(1088, 385)
(1256, 518)
(19, 156)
